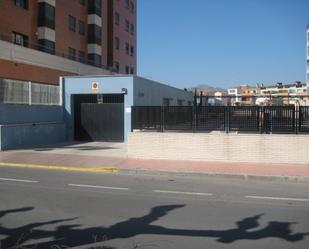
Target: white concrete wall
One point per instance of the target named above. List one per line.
(253, 148)
(12, 52)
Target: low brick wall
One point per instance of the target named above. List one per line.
(253, 148)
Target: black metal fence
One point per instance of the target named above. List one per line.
(303, 123)
(266, 119)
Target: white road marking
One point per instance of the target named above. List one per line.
(276, 198)
(17, 180)
(95, 186)
(183, 193)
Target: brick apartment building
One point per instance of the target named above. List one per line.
(41, 40)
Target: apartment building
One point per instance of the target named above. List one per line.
(41, 40)
(277, 94)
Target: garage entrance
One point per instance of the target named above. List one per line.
(99, 117)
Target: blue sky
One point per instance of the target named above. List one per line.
(222, 42)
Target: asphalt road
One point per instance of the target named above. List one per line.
(45, 208)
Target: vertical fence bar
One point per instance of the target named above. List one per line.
(296, 118)
(194, 117)
(148, 110)
(299, 118)
(227, 111)
(162, 118)
(261, 119)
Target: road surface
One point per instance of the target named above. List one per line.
(49, 208)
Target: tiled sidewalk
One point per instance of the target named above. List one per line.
(91, 161)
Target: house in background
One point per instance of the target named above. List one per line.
(275, 94)
(206, 95)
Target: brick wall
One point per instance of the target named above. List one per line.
(18, 19)
(21, 71)
(253, 148)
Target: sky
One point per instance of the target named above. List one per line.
(222, 43)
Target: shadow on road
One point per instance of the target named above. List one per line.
(72, 235)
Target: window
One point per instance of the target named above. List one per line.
(127, 26)
(132, 29)
(81, 27)
(292, 90)
(116, 66)
(94, 34)
(94, 59)
(20, 39)
(47, 46)
(81, 56)
(127, 48)
(179, 102)
(117, 43)
(189, 103)
(117, 18)
(72, 23)
(82, 2)
(127, 4)
(72, 54)
(132, 51)
(127, 69)
(166, 102)
(21, 3)
(132, 70)
(94, 7)
(46, 15)
(132, 7)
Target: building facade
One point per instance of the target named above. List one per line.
(41, 40)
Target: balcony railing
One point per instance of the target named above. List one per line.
(49, 50)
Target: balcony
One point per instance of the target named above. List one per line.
(46, 56)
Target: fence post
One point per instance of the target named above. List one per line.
(162, 118)
(261, 119)
(30, 93)
(194, 118)
(132, 116)
(296, 118)
(227, 118)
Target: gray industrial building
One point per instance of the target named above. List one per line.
(89, 108)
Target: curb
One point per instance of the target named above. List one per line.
(68, 168)
(141, 171)
(242, 176)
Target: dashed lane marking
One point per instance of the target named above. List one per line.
(97, 186)
(183, 193)
(276, 198)
(17, 180)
